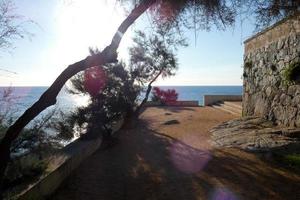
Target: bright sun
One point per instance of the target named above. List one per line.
(86, 23)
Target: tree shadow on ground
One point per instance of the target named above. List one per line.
(146, 164)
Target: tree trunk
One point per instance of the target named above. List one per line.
(138, 110)
(48, 98)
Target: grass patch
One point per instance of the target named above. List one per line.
(290, 160)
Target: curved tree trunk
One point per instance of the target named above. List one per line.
(149, 88)
(48, 98)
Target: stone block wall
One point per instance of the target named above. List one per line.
(212, 99)
(267, 55)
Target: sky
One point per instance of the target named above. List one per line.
(63, 30)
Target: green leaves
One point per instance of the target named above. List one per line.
(109, 105)
(154, 54)
(205, 14)
(291, 74)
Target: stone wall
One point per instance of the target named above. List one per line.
(212, 99)
(267, 55)
(62, 164)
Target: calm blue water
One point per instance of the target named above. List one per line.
(26, 96)
(197, 92)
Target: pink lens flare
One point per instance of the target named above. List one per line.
(19, 95)
(223, 194)
(94, 80)
(188, 159)
(164, 11)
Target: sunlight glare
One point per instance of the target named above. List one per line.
(85, 24)
(188, 159)
(223, 194)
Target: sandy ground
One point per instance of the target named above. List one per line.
(158, 161)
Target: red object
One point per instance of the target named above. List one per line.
(94, 80)
(164, 11)
(165, 96)
(170, 96)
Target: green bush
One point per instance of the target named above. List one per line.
(31, 150)
(24, 168)
(288, 159)
(292, 159)
(248, 64)
(107, 105)
(291, 74)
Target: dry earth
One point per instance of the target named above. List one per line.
(174, 160)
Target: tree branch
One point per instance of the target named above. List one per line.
(138, 110)
(48, 98)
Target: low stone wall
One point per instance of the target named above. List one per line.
(62, 165)
(212, 99)
(268, 56)
(177, 103)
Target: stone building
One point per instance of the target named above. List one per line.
(272, 73)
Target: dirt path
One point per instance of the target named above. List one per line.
(176, 161)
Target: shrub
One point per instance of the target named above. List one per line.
(288, 159)
(112, 93)
(291, 74)
(30, 151)
(164, 96)
(248, 64)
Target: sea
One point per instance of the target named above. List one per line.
(22, 98)
(196, 93)
(26, 96)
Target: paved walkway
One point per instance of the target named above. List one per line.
(176, 161)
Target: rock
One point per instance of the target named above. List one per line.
(292, 90)
(262, 107)
(285, 99)
(297, 121)
(292, 133)
(253, 134)
(280, 44)
(281, 65)
(269, 91)
(296, 101)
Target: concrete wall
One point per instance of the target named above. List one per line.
(211, 99)
(267, 55)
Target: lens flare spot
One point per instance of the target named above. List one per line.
(94, 80)
(188, 159)
(223, 194)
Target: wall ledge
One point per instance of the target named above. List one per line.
(272, 27)
(212, 99)
(63, 163)
(61, 166)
